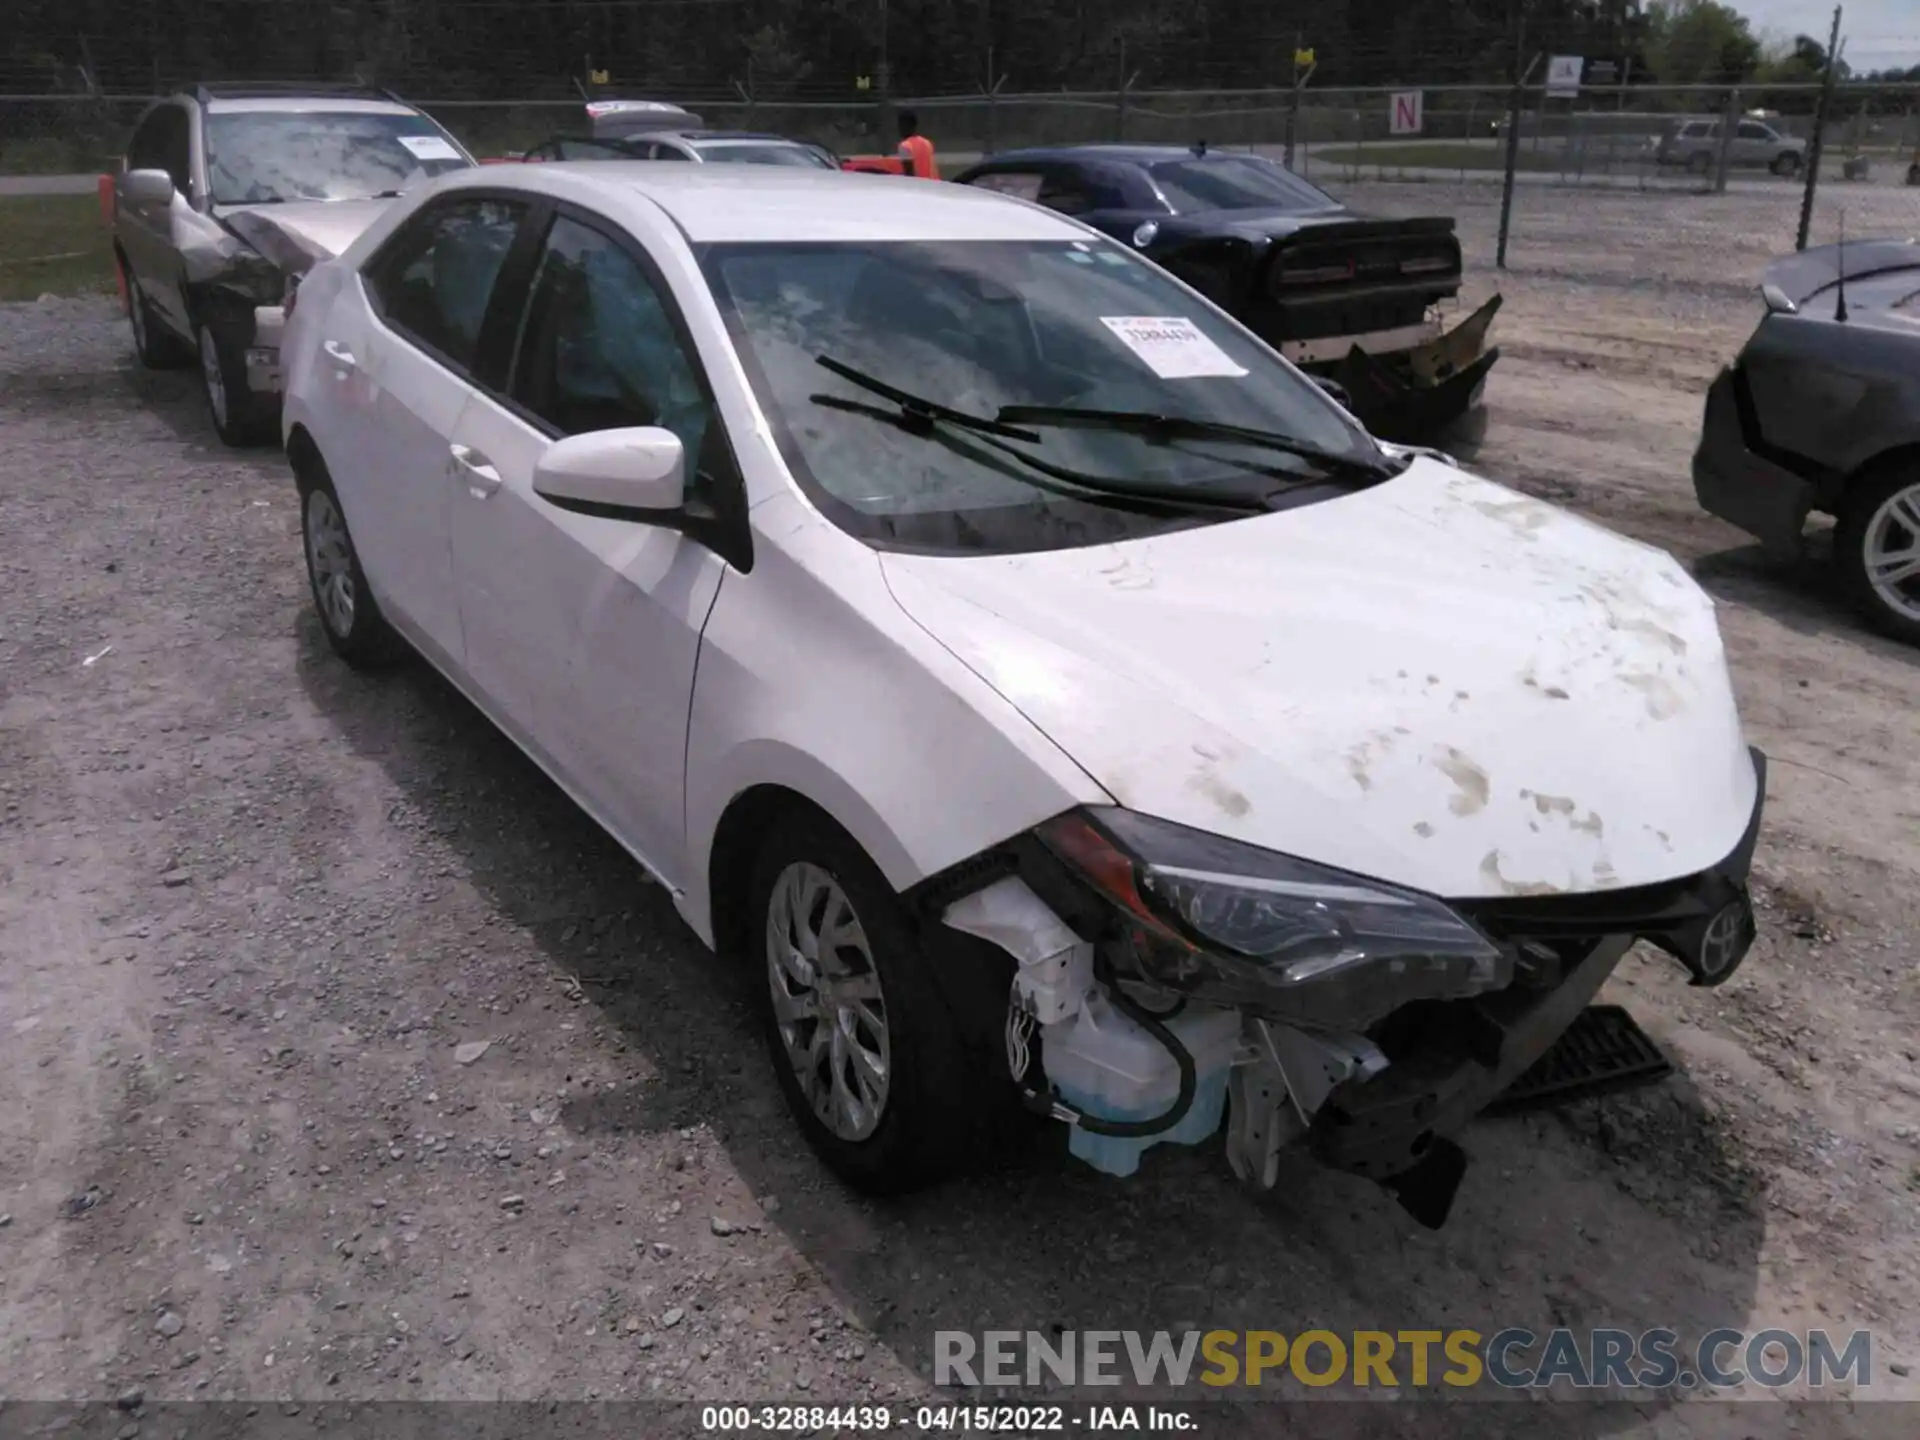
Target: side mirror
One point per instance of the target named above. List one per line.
(1776, 299)
(147, 187)
(1334, 389)
(632, 474)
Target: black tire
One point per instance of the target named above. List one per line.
(1699, 163)
(1860, 519)
(156, 347)
(357, 631)
(241, 418)
(1786, 163)
(1913, 173)
(947, 1105)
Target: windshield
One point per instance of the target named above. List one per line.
(1235, 182)
(978, 325)
(762, 152)
(258, 157)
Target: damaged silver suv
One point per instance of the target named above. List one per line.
(228, 195)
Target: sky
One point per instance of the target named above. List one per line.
(1880, 34)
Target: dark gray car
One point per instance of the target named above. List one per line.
(1821, 412)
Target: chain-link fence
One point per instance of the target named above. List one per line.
(1460, 132)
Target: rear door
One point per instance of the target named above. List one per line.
(405, 347)
(589, 627)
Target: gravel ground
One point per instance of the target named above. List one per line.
(345, 1059)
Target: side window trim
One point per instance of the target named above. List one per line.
(725, 531)
(400, 241)
(610, 232)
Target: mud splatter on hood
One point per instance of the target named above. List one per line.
(1437, 681)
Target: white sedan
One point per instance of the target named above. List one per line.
(1065, 704)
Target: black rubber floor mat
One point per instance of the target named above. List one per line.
(1602, 1050)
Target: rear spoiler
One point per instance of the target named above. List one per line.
(1802, 276)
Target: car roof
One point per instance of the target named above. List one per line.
(1120, 153)
(306, 105)
(719, 203)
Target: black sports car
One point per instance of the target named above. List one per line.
(1346, 297)
(1821, 412)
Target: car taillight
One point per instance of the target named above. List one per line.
(1317, 274)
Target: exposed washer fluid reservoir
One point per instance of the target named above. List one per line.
(1107, 1065)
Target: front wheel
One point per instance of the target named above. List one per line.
(1876, 546)
(239, 416)
(873, 1064)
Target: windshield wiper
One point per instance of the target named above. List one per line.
(920, 416)
(1161, 428)
(919, 412)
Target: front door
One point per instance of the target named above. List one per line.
(589, 628)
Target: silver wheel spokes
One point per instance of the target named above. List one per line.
(330, 559)
(1892, 546)
(827, 1001)
(210, 370)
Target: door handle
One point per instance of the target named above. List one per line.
(476, 470)
(339, 354)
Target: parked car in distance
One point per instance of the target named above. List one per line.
(705, 147)
(961, 618)
(228, 195)
(616, 119)
(1345, 296)
(1695, 145)
(1820, 412)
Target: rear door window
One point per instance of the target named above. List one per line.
(434, 281)
(1023, 183)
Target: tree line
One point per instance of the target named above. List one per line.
(842, 49)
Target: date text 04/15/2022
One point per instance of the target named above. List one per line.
(1013, 1420)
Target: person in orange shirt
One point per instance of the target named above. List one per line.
(916, 151)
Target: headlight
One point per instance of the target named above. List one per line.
(1234, 925)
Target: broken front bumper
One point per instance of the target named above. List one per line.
(263, 352)
(1411, 396)
(1462, 1055)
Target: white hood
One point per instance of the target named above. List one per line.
(1437, 681)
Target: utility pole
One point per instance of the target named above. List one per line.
(1300, 77)
(884, 82)
(1814, 146)
(1514, 107)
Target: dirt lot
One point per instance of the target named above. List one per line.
(253, 906)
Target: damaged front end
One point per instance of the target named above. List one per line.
(248, 296)
(1414, 396)
(1171, 983)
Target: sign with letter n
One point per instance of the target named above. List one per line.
(1408, 112)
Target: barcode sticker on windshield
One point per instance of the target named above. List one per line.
(1172, 346)
(429, 147)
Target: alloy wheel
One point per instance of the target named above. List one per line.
(214, 376)
(1891, 552)
(827, 1001)
(330, 561)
